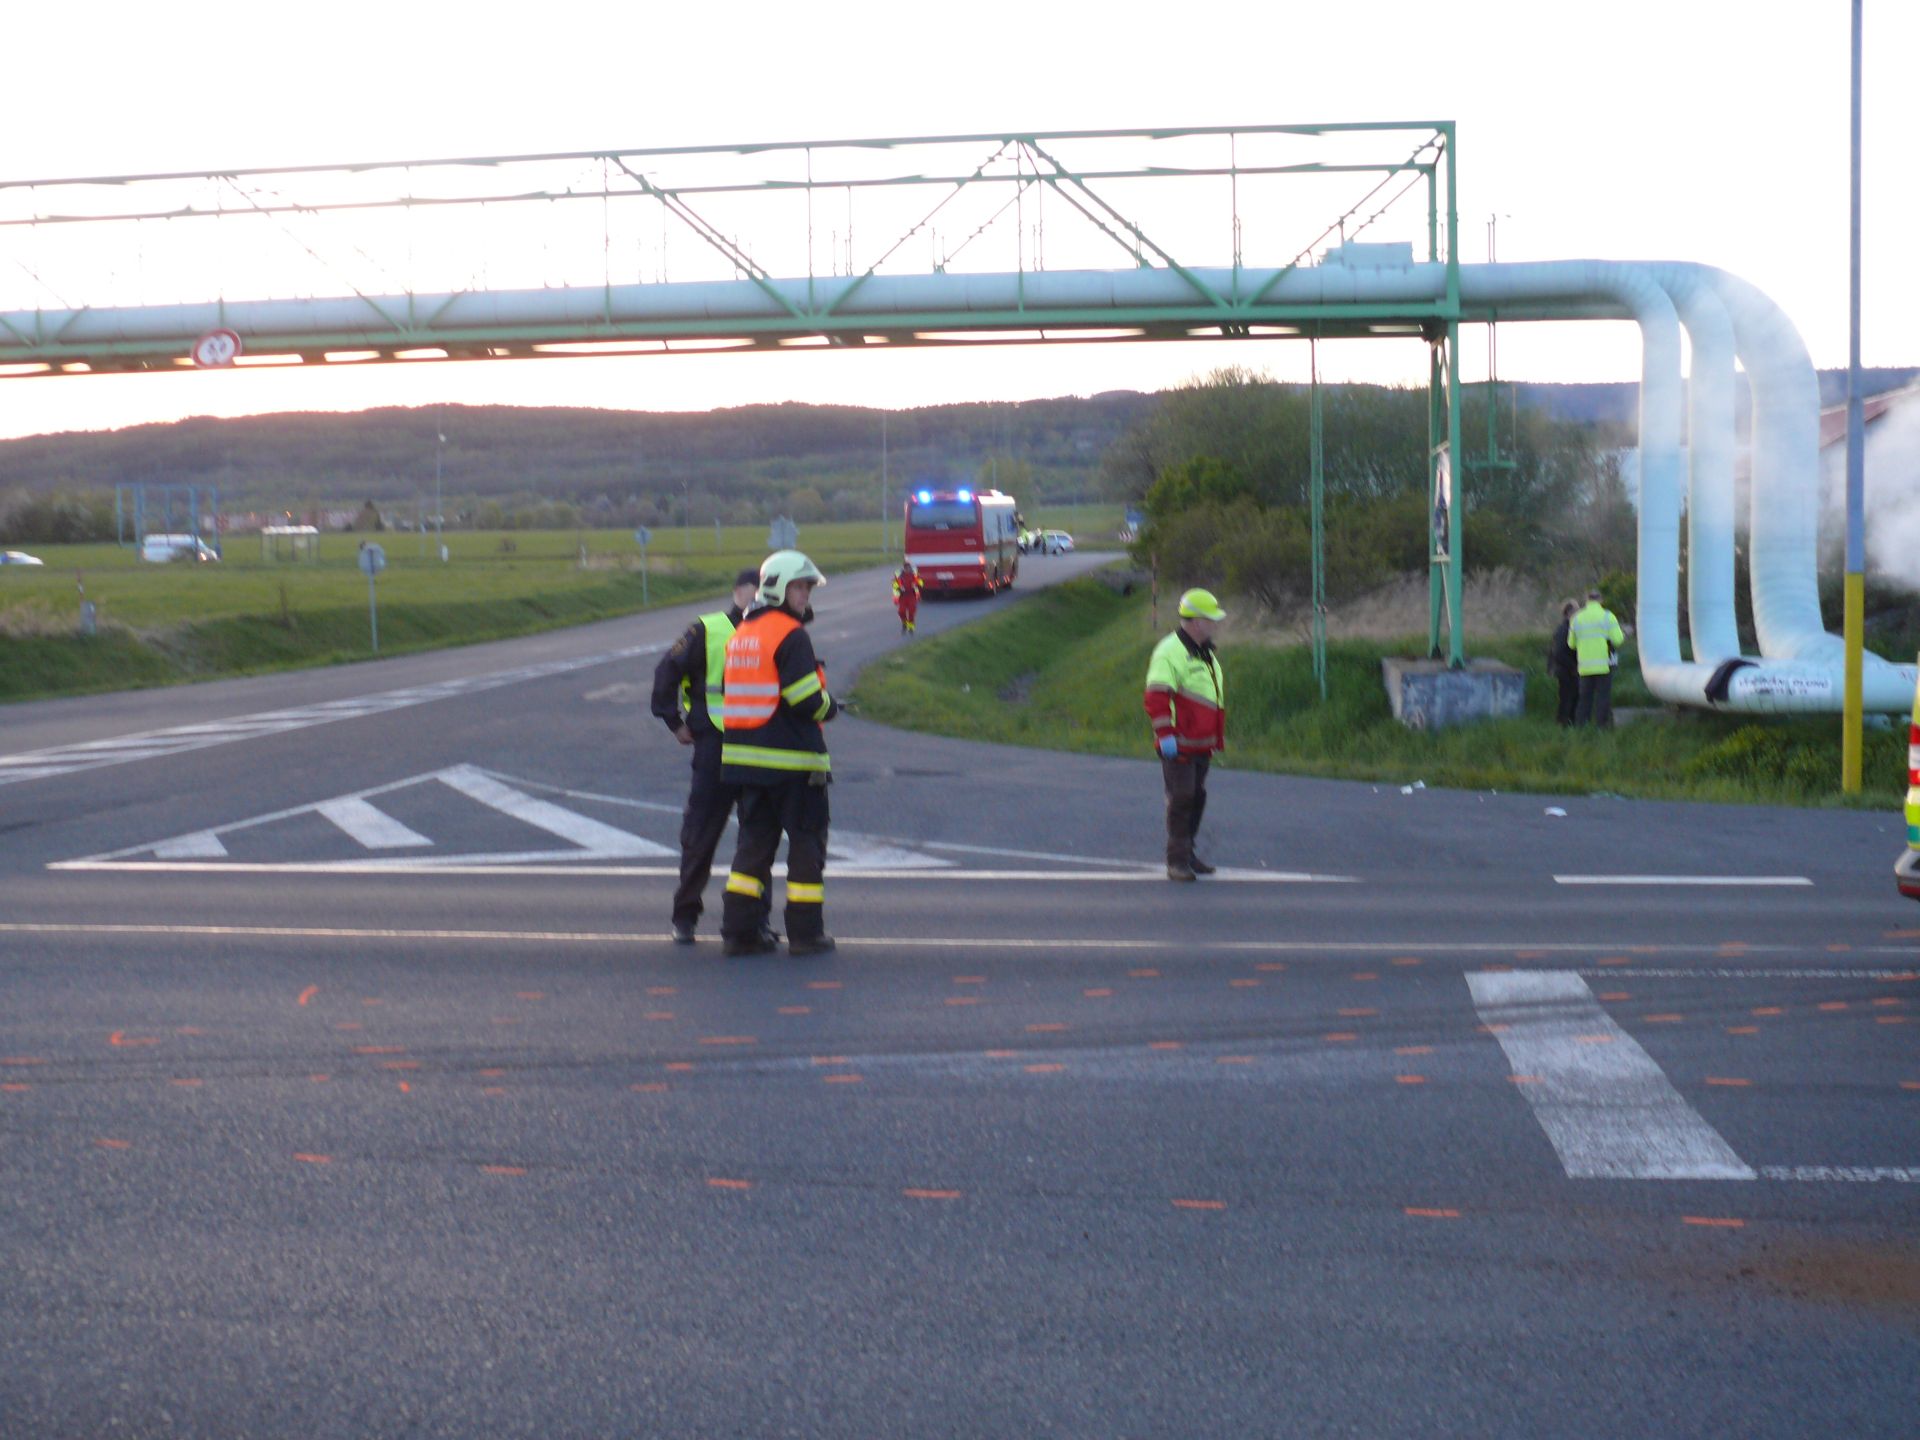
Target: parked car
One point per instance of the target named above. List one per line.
(1055, 542)
(163, 549)
(19, 557)
(1906, 872)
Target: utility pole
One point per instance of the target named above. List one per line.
(1852, 720)
(885, 548)
(439, 513)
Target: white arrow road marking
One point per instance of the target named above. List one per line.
(204, 845)
(1606, 1106)
(589, 835)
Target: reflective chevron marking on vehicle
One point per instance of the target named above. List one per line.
(175, 740)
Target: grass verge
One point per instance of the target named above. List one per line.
(1063, 670)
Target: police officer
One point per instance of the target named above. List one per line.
(1594, 635)
(775, 750)
(687, 700)
(1186, 703)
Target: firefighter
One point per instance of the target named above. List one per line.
(775, 750)
(687, 700)
(1595, 637)
(907, 586)
(1186, 704)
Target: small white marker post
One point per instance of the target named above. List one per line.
(373, 560)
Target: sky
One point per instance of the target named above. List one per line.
(1704, 130)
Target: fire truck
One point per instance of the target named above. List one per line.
(963, 540)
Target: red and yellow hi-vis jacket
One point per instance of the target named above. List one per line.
(1186, 695)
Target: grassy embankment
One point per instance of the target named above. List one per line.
(1063, 670)
(164, 624)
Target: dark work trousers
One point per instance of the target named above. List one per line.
(1186, 782)
(799, 808)
(1569, 680)
(1596, 700)
(708, 804)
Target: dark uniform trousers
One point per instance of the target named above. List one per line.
(709, 802)
(1596, 700)
(1186, 782)
(798, 807)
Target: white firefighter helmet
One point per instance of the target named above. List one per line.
(780, 570)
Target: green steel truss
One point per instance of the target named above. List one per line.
(99, 274)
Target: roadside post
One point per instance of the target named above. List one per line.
(372, 561)
(643, 535)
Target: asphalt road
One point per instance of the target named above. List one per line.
(349, 1086)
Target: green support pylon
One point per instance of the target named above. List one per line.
(1317, 453)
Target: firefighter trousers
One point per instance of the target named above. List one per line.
(799, 808)
(1186, 782)
(709, 802)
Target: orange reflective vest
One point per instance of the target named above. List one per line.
(768, 725)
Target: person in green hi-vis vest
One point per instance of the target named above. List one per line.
(1595, 637)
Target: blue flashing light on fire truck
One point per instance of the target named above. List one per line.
(963, 539)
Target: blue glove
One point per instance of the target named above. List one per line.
(1169, 747)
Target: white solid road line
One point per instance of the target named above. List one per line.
(1762, 880)
(1845, 1174)
(527, 864)
(1607, 1107)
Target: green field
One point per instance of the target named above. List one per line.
(163, 624)
(1064, 669)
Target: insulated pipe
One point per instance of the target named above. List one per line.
(1711, 620)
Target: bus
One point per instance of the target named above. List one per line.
(962, 539)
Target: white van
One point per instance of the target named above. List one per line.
(162, 548)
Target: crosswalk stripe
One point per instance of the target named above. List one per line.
(1606, 1105)
(372, 827)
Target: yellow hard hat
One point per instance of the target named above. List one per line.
(1200, 605)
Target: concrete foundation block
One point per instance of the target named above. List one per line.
(1426, 695)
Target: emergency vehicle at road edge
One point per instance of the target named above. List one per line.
(962, 539)
(1906, 872)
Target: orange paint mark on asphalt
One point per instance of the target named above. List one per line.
(503, 1169)
(1244, 983)
(1048, 1069)
(1734, 947)
(1900, 935)
(14, 1087)
(1340, 1037)
(1234, 1060)
(1838, 948)
(825, 985)
(305, 1159)
(1768, 1010)
(493, 1089)
(372, 1000)
(1889, 1019)
(1594, 1039)
(1366, 975)
(105, 1144)
(1002, 1054)
(845, 1077)
(120, 1039)
(1743, 1029)
(307, 994)
(1717, 1221)
(1887, 1000)
(1616, 995)
(829, 1059)
(24, 1060)
(1726, 1080)
(529, 994)
(658, 1015)
(1910, 1084)
(961, 1000)
(1413, 1050)
(680, 1065)
(379, 1049)
(1101, 994)
(319, 1079)
(189, 1030)
(650, 1087)
(354, 1025)
(490, 1074)
(1831, 1005)
(969, 979)
(1492, 1029)
(794, 1010)
(1358, 1011)
(1617, 960)
(1410, 1079)
(1421, 1212)
(715, 1182)
(1199, 1204)
(1166, 1044)
(1663, 1019)
(1049, 1027)
(1271, 967)
(400, 1065)
(405, 1088)
(1524, 1079)
(912, 1194)
(728, 1040)
(1143, 974)
(1529, 954)
(1496, 969)
(663, 990)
